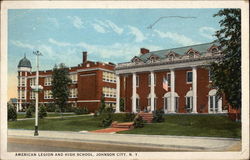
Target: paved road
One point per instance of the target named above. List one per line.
(123, 142)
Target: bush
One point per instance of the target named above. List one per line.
(12, 115)
(51, 107)
(138, 122)
(106, 117)
(81, 110)
(129, 117)
(42, 112)
(158, 116)
(28, 113)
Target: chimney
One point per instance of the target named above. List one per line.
(84, 57)
(144, 50)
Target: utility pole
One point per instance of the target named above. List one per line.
(36, 89)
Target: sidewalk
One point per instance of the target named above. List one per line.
(154, 142)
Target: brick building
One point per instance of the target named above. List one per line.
(140, 82)
(89, 81)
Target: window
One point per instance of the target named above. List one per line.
(138, 105)
(189, 103)
(137, 81)
(73, 93)
(23, 95)
(19, 83)
(189, 77)
(169, 79)
(32, 95)
(47, 81)
(23, 81)
(47, 94)
(18, 94)
(109, 92)
(149, 79)
(209, 75)
(108, 77)
(73, 77)
(32, 81)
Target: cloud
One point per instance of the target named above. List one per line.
(178, 38)
(99, 28)
(77, 21)
(207, 32)
(114, 27)
(61, 44)
(121, 51)
(22, 45)
(139, 37)
(106, 26)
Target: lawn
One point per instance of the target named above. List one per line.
(52, 114)
(67, 124)
(192, 125)
(180, 125)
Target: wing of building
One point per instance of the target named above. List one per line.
(140, 81)
(89, 81)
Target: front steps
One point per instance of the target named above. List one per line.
(128, 125)
(148, 117)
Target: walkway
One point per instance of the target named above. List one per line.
(137, 142)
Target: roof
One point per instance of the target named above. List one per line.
(24, 62)
(201, 48)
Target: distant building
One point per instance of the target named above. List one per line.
(89, 80)
(184, 70)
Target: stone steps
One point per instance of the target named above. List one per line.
(148, 117)
(129, 125)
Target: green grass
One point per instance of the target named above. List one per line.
(21, 116)
(192, 125)
(67, 124)
(180, 125)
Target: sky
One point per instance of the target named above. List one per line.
(108, 35)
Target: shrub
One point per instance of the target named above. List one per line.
(129, 117)
(81, 110)
(122, 105)
(51, 107)
(12, 115)
(42, 112)
(106, 117)
(158, 116)
(138, 122)
(28, 113)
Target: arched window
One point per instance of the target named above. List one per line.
(214, 103)
(167, 102)
(189, 101)
(155, 101)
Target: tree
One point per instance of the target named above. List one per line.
(102, 105)
(226, 72)
(42, 111)
(122, 105)
(60, 90)
(12, 114)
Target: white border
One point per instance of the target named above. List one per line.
(244, 154)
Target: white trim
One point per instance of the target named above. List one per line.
(88, 101)
(84, 75)
(94, 69)
(134, 93)
(117, 109)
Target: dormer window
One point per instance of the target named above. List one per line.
(153, 58)
(136, 59)
(213, 49)
(192, 53)
(172, 55)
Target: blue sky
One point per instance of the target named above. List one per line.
(109, 35)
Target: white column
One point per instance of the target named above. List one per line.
(194, 89)
(152, 91)
(134, 93)
(172, 101)
(220, 105)
(117, 110)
